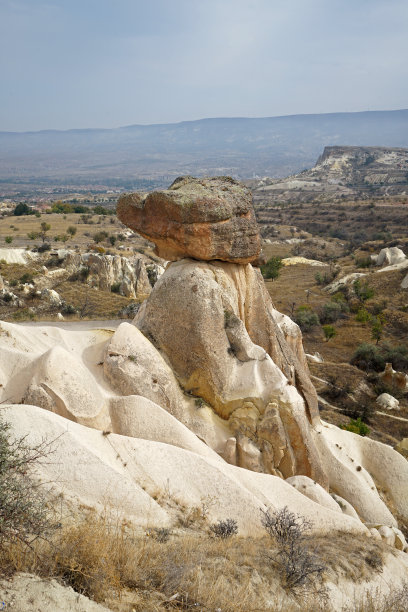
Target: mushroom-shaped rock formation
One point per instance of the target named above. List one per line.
(208, 218)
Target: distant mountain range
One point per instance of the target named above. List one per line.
(242, 147)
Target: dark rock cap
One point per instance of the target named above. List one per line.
(202, 218)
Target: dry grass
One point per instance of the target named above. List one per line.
(105, 559)
(59, 224)
(96, 304)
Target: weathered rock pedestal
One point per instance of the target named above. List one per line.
(214, 322)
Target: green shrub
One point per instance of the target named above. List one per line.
(329, 332)
(100, 236)
(272, 268)
(364, 262)
(368, 357)
(306, 318)
(363, 316)
(330, 312)
(356, 426)
(8, 239)
(22, 209)
(26, 278)
(373, 357)
(115, 288)
(340, 298)
(324, 279)
(362, 291)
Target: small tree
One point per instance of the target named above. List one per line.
(44, 228)
(72, 231)
(22, 209)
(272, 268)
(377, 327)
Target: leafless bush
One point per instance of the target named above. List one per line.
(161, 534)
(299, 564)
(24, 516)
(224, 529)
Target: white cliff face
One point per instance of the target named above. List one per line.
(128, 274)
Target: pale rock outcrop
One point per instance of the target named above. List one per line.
(387, 401)
(130, 475)
(133, 366)
(345, 506)
(62, 385)
(51, 296)
(1, 283)
(50, 279)
(356, 465)
(389, 256)
(129, 274)
(402, 447)
(138, 417)
(387, 534)
(400, 542)
(315, 358)
(344, 281)
(15, 255)
(230, 351)
(313, 491)
(25, 592)
(207, 218)
(404, 282)
(391, 377)
(96, 467)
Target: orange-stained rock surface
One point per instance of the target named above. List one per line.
(206, 219)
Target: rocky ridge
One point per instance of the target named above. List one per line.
(341, 172)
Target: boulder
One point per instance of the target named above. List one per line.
(400, 542)
(1, 283)
(315, 358)
(206, 219)
(51, 296)
(404, 282)
(387, 534)
(387, 401)
(390, 256)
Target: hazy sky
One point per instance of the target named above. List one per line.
(108, 63)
